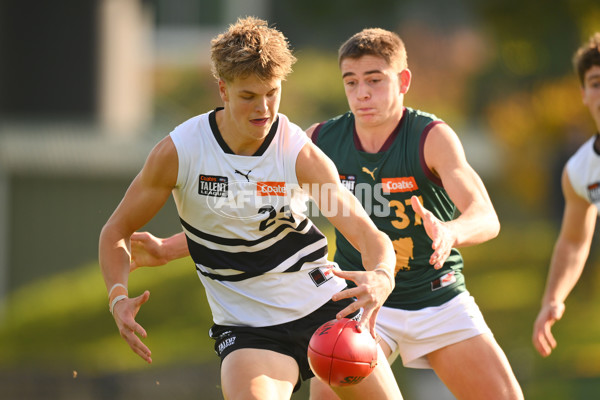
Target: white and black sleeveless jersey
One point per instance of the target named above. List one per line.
(583, 169)
(261, 260)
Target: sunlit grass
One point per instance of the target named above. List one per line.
(65, 320)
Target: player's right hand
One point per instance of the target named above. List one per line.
(371, 291)
(443, 238)
(543, 340)
(124, 313)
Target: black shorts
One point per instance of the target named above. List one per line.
(290, 338)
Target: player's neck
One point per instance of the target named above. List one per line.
(240, 144)
(373, 136)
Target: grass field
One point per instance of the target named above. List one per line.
(58, 340)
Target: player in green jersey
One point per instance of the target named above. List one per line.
(417, 165)
(410, 172)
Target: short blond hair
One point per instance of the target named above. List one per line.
(587, 56)
(251, 47)
(375, 42)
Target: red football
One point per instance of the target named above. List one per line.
(340, 355)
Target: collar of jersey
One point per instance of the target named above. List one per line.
(212, 119)
(388, 142)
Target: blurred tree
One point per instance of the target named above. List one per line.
(326, 24)
(529, 94)
(538, 130)
(181, 93)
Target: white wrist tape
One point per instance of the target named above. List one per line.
(115, 301)
(383, 267)
(115, 286)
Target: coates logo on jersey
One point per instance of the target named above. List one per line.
(399, 185)
(271, 189)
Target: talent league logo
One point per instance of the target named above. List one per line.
(349, 181)
(230, 341)
(213, 185)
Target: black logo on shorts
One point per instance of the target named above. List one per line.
(225, 343)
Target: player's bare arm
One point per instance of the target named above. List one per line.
(478, 222)
(567, 263)
(315, 171)
(145, 197)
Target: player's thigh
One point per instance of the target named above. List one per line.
(387, 350)
(380, 384)
(258, 374)
(319, 390)
(476, 368)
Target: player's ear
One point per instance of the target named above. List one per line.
(405, 77)
(223, 90)
(584, 99)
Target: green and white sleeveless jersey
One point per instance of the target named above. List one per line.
(384, 183)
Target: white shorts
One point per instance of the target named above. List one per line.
(414, 334)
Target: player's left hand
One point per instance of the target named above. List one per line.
(443, 238)
(543, 340)
(146, 251)
(371, 291)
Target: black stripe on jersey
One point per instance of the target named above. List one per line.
(242, 242)
(258, 261)
(314, 256)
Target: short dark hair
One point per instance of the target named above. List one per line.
(587, 56)
(375, 42)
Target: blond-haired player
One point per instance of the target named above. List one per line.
(236, 175)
